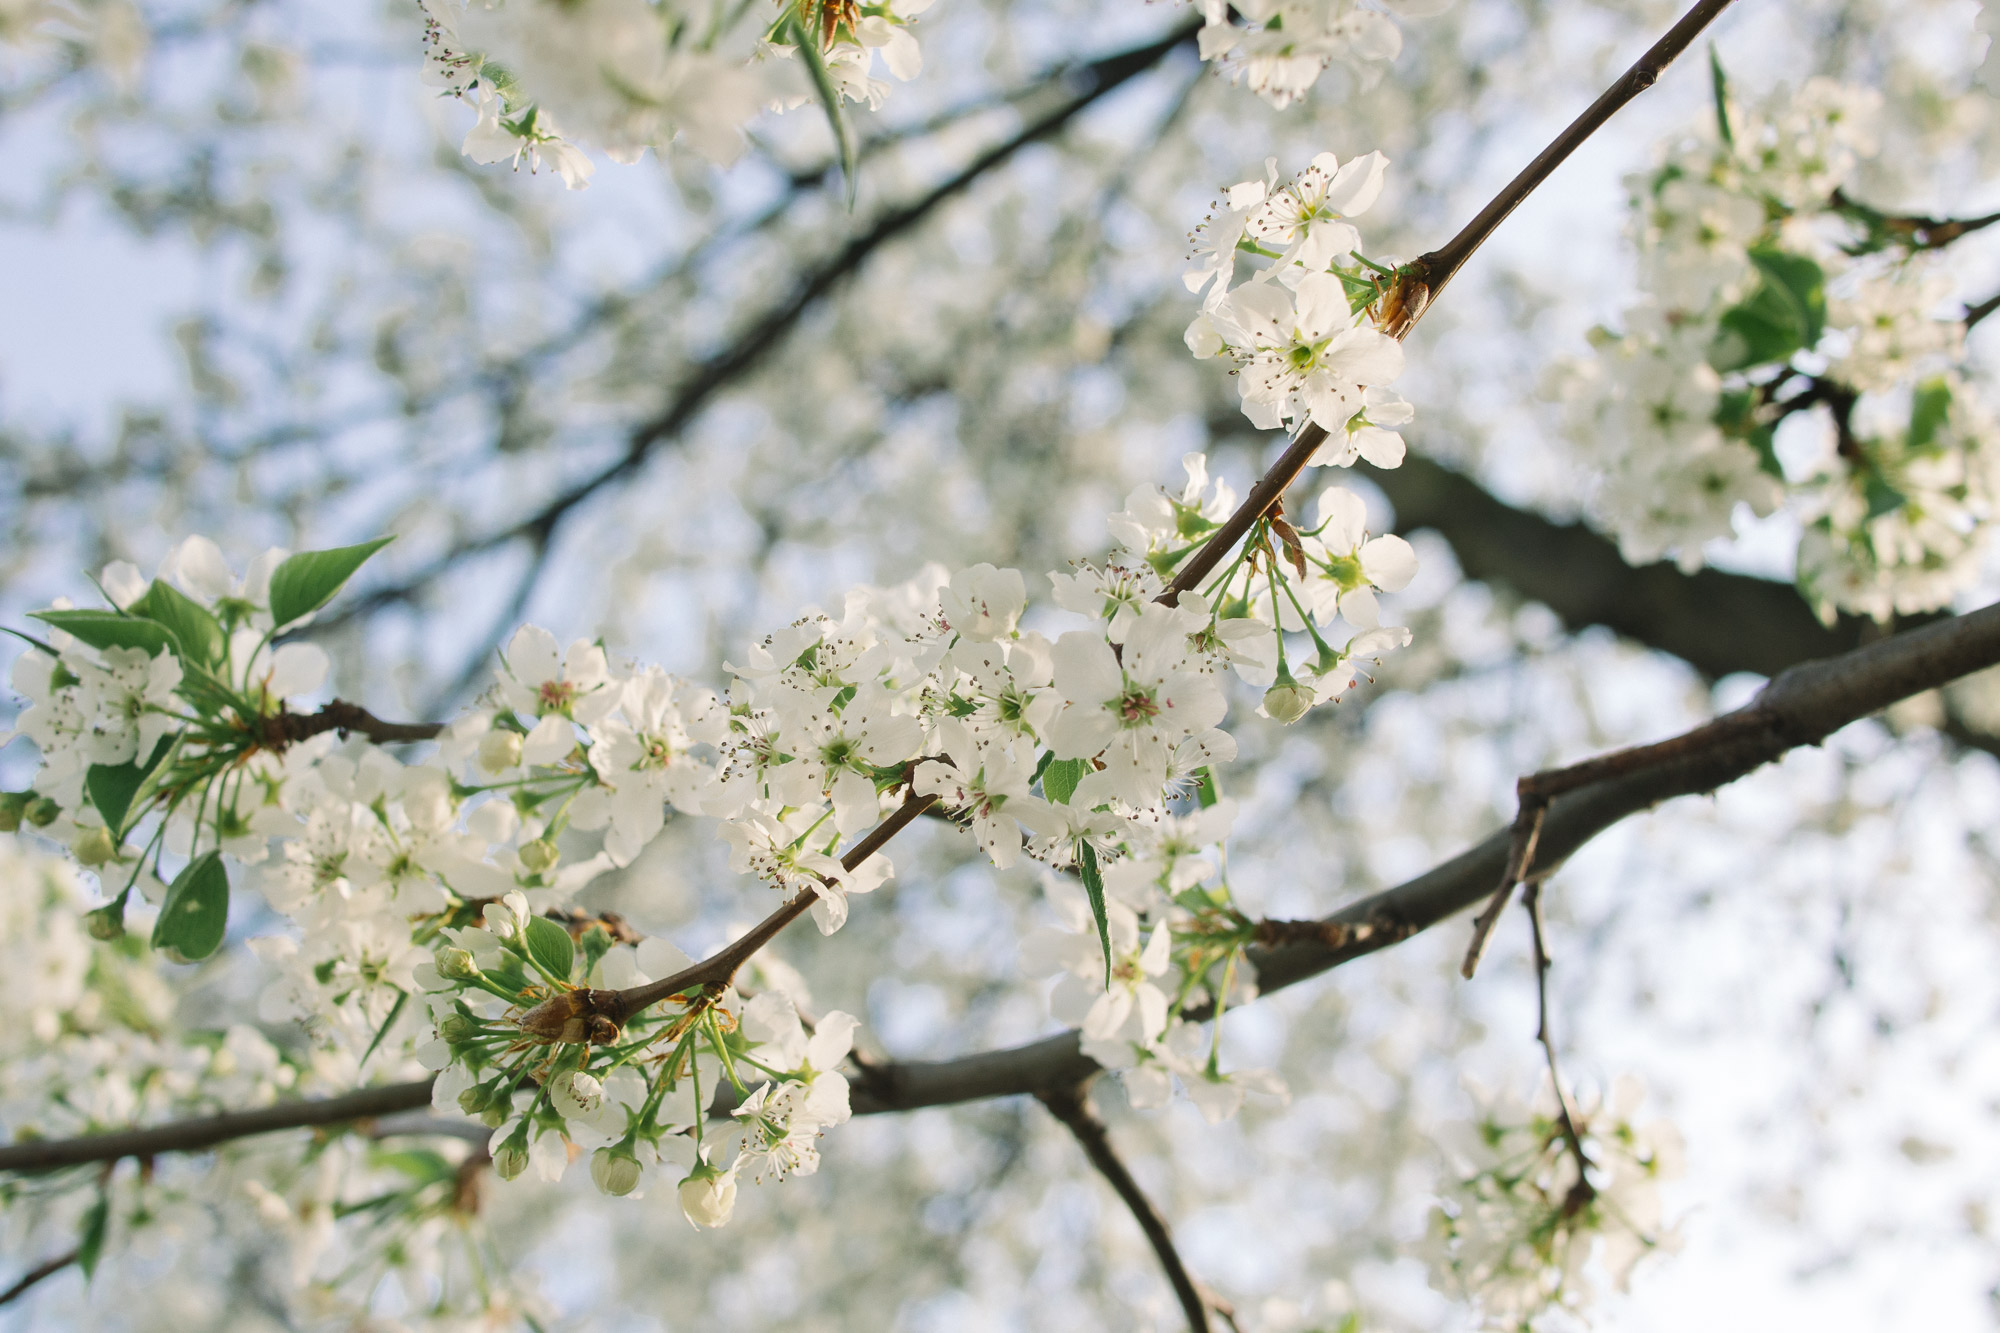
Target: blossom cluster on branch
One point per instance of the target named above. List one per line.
(1795, 349)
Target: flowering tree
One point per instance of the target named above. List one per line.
(317, 1011)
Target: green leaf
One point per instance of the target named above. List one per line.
(395, 1012)
(90, 1240)
(196, 910)
(829, 97)
(307, 581)
(1882, 497)
(1204, 792)
(550, 946)
(1721, 83)
(419, 1164)
(110, 629)
(1785, 314)
(1929, 407)
(1093, 884)
(1059, 779)
(112, 786)
(199, 634)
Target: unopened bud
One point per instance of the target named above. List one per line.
(475, 1098)
(511, 1158)
(458, 1028)
(1288, 701)
(615, 1171)
(107, 922)
(42, 811)
(92, 846)
(456, 964)
(708, 1196)
(500, 751)
(539, 855)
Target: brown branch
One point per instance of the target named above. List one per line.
(1087, 84)
(1581, 1193)
(348, 719)
(1422, 280)
(1914, 231)
(1071, 1105)
(1975, 313)
(46, 1269)
(1419, 283)
(1801, 707)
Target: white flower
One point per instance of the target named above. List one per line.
(984, 603)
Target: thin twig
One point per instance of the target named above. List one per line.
(1975, 313)
(1071, 1105)
(1581, 1193)
(1427, 276)
(46, 1269)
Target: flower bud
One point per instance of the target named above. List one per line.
(510, 1159)
(539, 855)
(92, 846)
(708, 1196)
(1288, 701)
(475, 1098)
(456, 965)
(107, 922)
(457, 1028)
(42, 811)
(500, 751)
(576, 1093)
(615, 1170)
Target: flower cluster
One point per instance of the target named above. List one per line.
(1520, 1219)
(1299, 328)
(627, 75)
(1774, 300)
(1279, 48)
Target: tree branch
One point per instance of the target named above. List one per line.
(1071, 1105)
(1088, 83)
(1426, 277)
(46, 1269)
(346, 718)
(1801, 707)
(1419, 283)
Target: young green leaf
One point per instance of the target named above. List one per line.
(550, 946)
(1721, 85)
(199, 634)
(110, 629)
(305, 582)
(90, 1239)
(829, 97)
(112, 786)
(1786, 313)
(1093, 885)
(196, 911)
(1930, 405)
(1059, 779)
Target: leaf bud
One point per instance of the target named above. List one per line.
(456, 964)
(539, 855)
(42, 811)
(92, 846)
(615, 1170)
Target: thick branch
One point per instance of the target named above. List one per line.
(1975, 313)
(1801, 707)
(1071, 1105)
